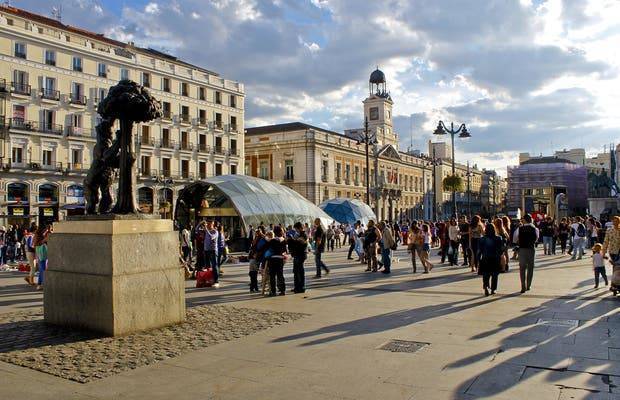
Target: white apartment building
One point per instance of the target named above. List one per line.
(52, 76)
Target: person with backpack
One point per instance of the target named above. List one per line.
(30, 254)
(580, 234)
(298, 247)
(319, 238)
(526, 236)
(490, 251)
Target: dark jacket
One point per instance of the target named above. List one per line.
(298, 245)
(490, 249)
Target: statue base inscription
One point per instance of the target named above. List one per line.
(114, 276)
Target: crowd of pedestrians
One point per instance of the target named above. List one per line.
(28, 245)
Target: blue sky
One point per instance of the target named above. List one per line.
(525, 75)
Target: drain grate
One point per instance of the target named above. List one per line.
(403, 346)
(559, 323)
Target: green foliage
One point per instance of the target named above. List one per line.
(453, 183)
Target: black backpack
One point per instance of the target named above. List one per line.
(581, 230)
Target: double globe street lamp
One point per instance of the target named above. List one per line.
(463, 134)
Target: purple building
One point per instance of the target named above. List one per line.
(536, 175)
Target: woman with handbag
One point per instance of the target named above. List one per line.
(501, 231)
(490, 253)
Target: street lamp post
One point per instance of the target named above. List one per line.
(468, 174)
(463, 134)
(367, 140)
(434, 161)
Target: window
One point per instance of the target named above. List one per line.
(288, 170)
(202, 169)
(50, 57)
(324, 170)
(102, 70)
(202, 140)
(202, 93)
(338, 172)
(218, 169)
(347, 172)
(263, 170)
(77, 64)
(165, 166)
(184, 113)
(146, 79)
(185, 169)
(233, 147)
(184, 89)
(185, 140)
(17, 155)
(145, 165)
(19, 113)
(218, 145)
(76, 121)
(101, 94)
(20, 50)
(165, 137)
(165, 84)
(218, 120)
(374, 113)
(233, 124)
(218, 98)
(124, 74)
(166, 110)
(76, 158)
(233, 169)
(145, 137)
(47, 159)
(48, 119)
(356, 175)
(202, 117)
(233, 100)
(77, 93)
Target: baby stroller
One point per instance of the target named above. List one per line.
(615, 276)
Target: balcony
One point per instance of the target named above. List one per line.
(288, 178)
(50, 94)
(233, 128)
(78, 131)
(146, 141)
(34, 126)
(187, 175)
(21, 88)
(218, 124)
(77, 99)
(186, 146)
(166, 173)
(167, 115)
(167, 144)
(185, 118)
(148, 173)
(219, 150)
(323, 178)
(233, 152)
(203, 148)
(77, 167)
(338, 180)
(201, 121)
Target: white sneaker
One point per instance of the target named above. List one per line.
(216, 285)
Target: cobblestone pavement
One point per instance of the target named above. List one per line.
(27, 341)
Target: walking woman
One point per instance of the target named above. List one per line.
(506, 226)
(40, 245)
(491, 247)
(563, 231)
(426, 248)
(277, 245)
(476, 230)
(415, 242)
(371, 239)
(612, 241)
(503, 233)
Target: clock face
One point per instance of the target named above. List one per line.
(374, 113)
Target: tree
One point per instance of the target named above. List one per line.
(453, 183)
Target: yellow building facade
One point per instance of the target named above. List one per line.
(52, 77)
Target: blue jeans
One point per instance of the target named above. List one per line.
(2, 255)
(211, 262)
(578, 247)
(42, 267)
(547, 244)
(386, 259)
(319, 263)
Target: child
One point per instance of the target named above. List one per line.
(598, 262)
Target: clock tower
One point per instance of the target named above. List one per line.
(378, 110)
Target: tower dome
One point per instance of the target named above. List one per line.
(377, 84)
(377, 77)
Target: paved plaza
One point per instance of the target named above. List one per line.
(355, 335)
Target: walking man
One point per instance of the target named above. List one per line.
(526, 236)
(352, 234)
(213, 242)
(298, 247)
(319, 243)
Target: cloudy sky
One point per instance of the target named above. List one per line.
(525, 75)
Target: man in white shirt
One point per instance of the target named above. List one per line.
(579, 233)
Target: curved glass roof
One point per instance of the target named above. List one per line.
(255, 200)
(348, 211)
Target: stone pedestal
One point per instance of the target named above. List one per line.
(114, 276)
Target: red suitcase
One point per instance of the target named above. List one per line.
(204, 278)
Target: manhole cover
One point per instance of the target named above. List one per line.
(403, 346)
(560, 323)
